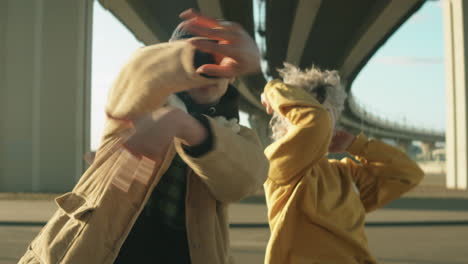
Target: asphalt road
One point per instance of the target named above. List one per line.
(391, 245)
(418, 229)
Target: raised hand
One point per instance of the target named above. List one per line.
(340, 141)
(266, 104)
(156, 131)
(235, 51)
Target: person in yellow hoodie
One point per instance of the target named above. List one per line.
(316, 205)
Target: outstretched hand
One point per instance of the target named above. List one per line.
(340, 141)
(235, 51)
(156, 131)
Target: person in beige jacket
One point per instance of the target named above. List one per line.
(172, 158)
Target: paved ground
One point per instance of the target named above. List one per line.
(428, 226)
(413, 230)
(391, 245)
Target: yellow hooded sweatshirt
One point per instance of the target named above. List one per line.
(317, 206)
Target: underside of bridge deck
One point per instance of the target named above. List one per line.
(332, 34)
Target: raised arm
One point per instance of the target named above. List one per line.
(308, 136)
(234, 167)
(151, 75)
(384, 172)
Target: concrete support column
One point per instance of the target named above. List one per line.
(45, 66)
(455, 30)
(260, 124)
(258, 118)
(427, 148)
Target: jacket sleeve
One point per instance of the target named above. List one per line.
(384, 172)
(149, 77)
(308, 135)
(234, 168)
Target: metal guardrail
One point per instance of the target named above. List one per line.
(361, 113)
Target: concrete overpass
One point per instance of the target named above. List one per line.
(302, 32)
(45, 70)
(360, 119)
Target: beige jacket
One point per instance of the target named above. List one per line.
(93, 220)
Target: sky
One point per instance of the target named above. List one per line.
(112, 46)
(403, 82)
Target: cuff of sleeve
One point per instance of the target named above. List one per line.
(205, 146)
(358, 144)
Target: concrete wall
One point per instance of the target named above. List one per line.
(45, 65)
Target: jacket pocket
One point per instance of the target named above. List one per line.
(65, 226)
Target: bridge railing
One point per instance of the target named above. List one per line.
(362, 113)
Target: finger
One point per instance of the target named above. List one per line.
(218, 58)
(213, 47)
(233, 26)
(189, 13)
(269, 110)
(217, 70)
(198, 18)
(218, 33)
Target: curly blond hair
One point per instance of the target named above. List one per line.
(324, 85)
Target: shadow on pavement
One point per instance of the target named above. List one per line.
(409, 203)
(428, 203)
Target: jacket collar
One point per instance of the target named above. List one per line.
(227, 106)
